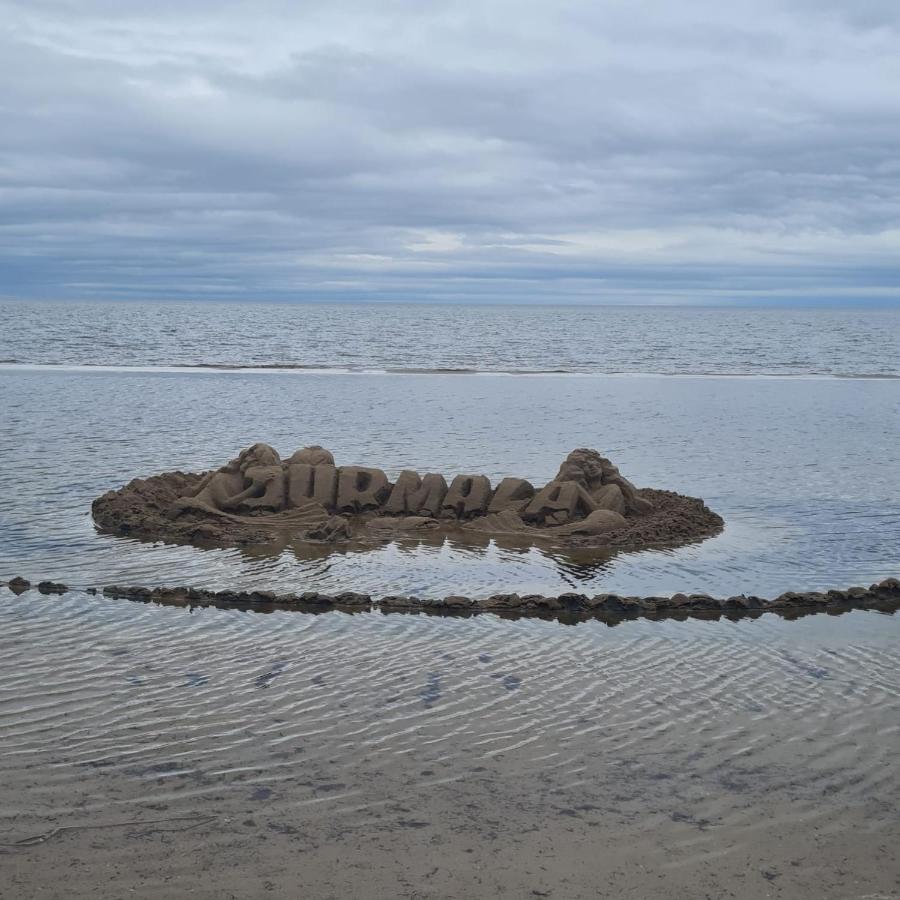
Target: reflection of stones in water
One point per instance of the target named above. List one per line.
(431, 693)
(195, 679)
(485, 657)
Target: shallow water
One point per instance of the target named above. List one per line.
(214, 753)
(803, 471)
(386, 756)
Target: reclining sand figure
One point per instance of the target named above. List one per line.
(226, 490)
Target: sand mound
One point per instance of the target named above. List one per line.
(588, 504)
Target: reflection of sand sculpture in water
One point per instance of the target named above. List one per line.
(589, 503)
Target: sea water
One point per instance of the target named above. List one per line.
(336, 752)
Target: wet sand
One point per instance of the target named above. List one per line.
(413, 756)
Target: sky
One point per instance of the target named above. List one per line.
(592, 151)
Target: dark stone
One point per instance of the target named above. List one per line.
(613, 603)
(573, 601)
(889, 588)
(501, 601)
(18, 585)
(52, 587)
(549, 603)
(351, 598)
(314, 598)
(796, 599)
(398, 601)
(456, 602)
(743, 602)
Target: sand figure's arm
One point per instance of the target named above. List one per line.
(258, 492)
(207, 495)
(201, 485)
(272, 484)
(236, 500)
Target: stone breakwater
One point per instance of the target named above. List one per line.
(883, 596)
(588, 503)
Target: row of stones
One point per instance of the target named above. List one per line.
(883, 594)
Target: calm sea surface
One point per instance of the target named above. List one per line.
(729, 742)
(393, 337)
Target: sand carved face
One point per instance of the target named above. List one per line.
(580, 466)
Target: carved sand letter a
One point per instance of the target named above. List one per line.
(511, 493)
(559, 502)
(416, 496)
(469, 495)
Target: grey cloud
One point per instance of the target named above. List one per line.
(627, 152)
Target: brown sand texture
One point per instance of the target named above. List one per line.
(257, 496)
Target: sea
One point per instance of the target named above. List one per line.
(786, 422)
(704, 746)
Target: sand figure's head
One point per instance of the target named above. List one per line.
(258, 455)
(584, 467)
(313, 455)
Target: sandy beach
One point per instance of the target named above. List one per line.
(449, 451)
(406, 756)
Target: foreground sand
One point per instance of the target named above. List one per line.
(288, 755)
(493, 834)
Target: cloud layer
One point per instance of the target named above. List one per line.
(639, 151)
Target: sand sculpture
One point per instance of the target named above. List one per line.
(588, 503)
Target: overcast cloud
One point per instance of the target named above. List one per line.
(578, 151)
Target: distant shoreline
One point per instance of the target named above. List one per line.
(315, 369)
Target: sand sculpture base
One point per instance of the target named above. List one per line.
(257, 496)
